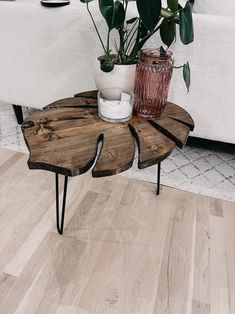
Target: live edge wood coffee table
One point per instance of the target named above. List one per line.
(64, 136)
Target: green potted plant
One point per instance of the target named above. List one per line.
(117, 67)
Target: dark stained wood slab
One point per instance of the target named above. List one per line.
(64, 137)
(176, 112)
(176, 131)
(153, 145)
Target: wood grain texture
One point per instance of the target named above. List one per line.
(200, 308)
(124, 250)
(63, 137)
(220, 290)
(201, 291)
(229, 226)
(175, 284)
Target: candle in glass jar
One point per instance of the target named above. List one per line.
(115, 105)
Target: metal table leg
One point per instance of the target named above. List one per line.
(60, 224)
(158, 178)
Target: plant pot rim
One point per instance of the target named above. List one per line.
(116, 64)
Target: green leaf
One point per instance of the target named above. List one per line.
(113, 12)
(173, 5)
(149, 11)
(142, 30)
(167, 14)
(167, 32)
(118, 15)
(131, 21)
(106, 65)
(106, 9)
(187, 75)
(162, 51)
(186, 24)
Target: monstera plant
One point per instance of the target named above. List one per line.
(135, 32)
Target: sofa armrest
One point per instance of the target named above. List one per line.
(212, 93)
(214, 28)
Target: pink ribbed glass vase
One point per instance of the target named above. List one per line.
(152, 81)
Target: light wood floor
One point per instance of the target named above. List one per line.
(123, 251)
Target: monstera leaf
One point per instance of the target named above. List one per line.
(186, 24)
(113, 12)
(173, 5)
(149, 11)
(167, 32)
(107, 65)
(187, 75)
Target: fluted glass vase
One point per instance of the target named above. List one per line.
(152, 81)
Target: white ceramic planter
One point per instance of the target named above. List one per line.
(122, 76)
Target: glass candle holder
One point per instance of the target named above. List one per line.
(115, 104)
(152, 81)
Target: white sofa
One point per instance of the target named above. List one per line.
(48, 53)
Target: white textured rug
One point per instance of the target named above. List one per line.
(203, 171)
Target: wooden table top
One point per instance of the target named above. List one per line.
(64, 137)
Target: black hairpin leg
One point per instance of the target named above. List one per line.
(18, 113)
(60, 224)
(158, 178)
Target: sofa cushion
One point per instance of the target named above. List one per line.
(215, 7)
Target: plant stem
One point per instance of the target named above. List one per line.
(133, 27)
(140, 44)
(121, 45)
(107, 52)
(101, 41)
(135, 48)
(121, 54)
(130, 42)
(150, 34)
(126, 5)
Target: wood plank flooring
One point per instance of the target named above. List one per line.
(124, 250)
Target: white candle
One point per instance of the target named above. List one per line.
(116, 109)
